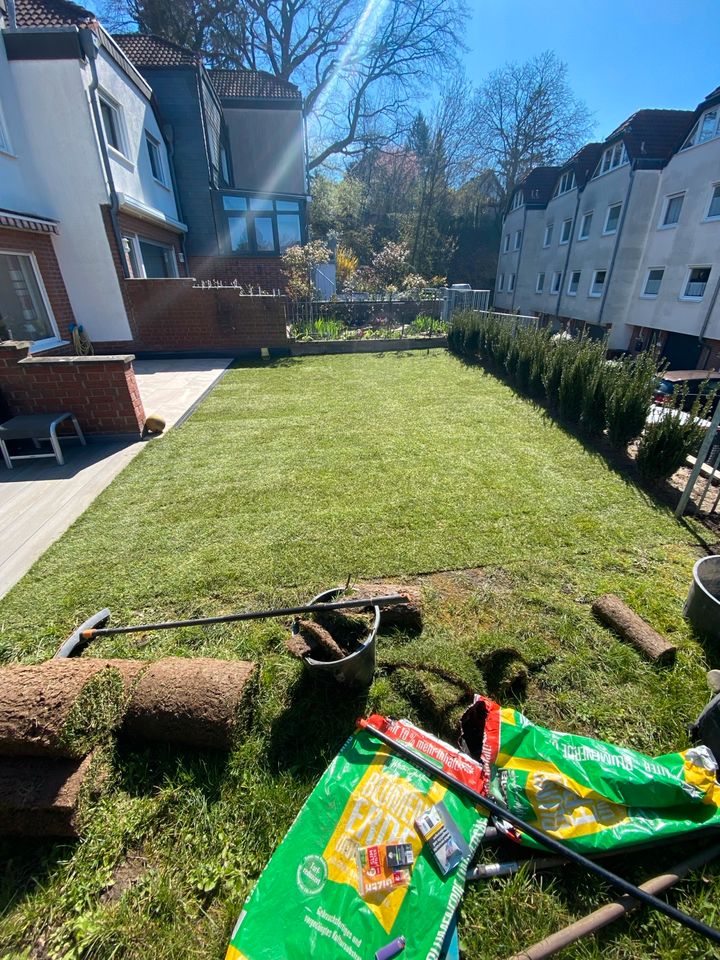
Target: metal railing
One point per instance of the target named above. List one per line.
(454, 300)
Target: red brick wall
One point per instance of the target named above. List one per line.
(25, 241)
(177, 315)
(265, 272)
(101, 391)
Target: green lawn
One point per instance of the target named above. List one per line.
(291, 476)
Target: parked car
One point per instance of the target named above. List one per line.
(695, 381)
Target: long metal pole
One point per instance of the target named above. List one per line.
(251, 615)
(702, 453)
(547, 841)
(601, 917)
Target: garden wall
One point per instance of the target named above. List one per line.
(358, 313)
(101, 391)
(178, 315)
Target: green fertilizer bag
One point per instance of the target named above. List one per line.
(353, 875)
(590, 794)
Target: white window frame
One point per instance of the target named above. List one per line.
(566, 183)
(506, 243)
(610, 233)
(714, 189)
(592, 292)
(134, 241)
(612, 158)
(680, 195)
(547, 237)
(540, 283)
(570, 291)
(564, 240)
(518, 240)
(152, 143)
(692, 138)
(511, 283)
(5, 145)
(119, 116)
(652, 296)
(556, 282)
(501, 283)
(583, 235)
(41, 287)
(517, 200)
(695, 266)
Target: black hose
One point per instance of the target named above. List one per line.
(547, 841)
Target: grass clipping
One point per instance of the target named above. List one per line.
(59, 708)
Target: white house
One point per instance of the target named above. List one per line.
(626, 240)
(84, 175)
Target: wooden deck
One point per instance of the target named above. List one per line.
(39, 499)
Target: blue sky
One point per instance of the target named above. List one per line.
(621, 56)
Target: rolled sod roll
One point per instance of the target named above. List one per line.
(197, 702)
(40, 797)
(61, 708)
(405, 614)
(611, 611)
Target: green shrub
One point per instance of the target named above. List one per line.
(629, 396)
(595, 399)
(667, 442)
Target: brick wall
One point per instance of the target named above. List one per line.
(265, 272)
(101, 391)
(26, 241)
(176, 315)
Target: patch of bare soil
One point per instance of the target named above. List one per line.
(125, 876)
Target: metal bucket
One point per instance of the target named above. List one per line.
(356, 670)
(702, 607)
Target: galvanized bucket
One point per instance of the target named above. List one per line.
(355, 670)
(702, 607)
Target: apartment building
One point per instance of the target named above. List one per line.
(623, 240)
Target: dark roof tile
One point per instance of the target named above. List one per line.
(147, 50)
(654, 134)
(255, 84)
(51, 13)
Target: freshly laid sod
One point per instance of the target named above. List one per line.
(289, 477)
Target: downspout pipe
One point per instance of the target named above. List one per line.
(169, 138)
(89, 47)
(711, 307)
(12, 19)
(519, 259)
(626, 204)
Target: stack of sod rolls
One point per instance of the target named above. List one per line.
(58, 718)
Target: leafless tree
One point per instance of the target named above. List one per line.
(359, 63)
(527, 116)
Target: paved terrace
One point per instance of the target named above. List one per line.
(39, 500)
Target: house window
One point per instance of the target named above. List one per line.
(518, 239)
(565, 231)
(697, 281)
(148, 259)
(224, 165)
(517, 200)
(112, 124)
(506, 243)
(566, 183)
(598, 283)
(585, 225)
(511, 283)
(707, 127)
(714, 208)
(574, 283)
(548, 235)
(652, 284)
(612, 219)
(261, 225)
(556, 283)
(540, 283)
(24, 308)
(501, 281)
(4, 140)
(673, 206)
(156, 161)
(613, 157)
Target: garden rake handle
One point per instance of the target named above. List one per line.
(551, 843)
(250, 615)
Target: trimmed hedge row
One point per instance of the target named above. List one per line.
(585, 388)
